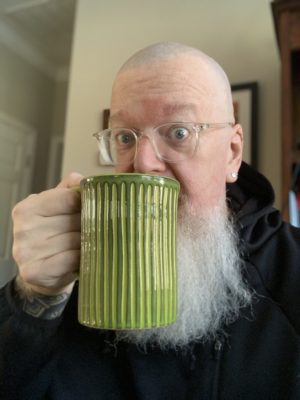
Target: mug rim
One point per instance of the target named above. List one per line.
(140, 177)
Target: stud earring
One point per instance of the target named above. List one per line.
(234, 174)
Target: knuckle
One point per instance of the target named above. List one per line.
(21, 233)
(74, 176)
(21, 254)
(27, 274)
(21, 208)
(70, 180)
(17, 210)
(22, 241)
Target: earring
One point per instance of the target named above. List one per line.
(234, 175)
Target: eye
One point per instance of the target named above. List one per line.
(124, 138)
(177, 133)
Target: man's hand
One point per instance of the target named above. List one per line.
(47, 238)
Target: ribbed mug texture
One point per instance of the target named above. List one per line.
(128, 252)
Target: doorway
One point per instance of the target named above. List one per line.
(17, 151)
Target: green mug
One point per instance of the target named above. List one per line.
(128, 251)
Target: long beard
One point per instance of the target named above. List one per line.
(211, 290)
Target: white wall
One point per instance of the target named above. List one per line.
(239, 34)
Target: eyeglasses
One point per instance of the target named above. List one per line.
(172, 142)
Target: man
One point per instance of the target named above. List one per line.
(237, 333)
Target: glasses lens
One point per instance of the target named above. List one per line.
(121, 145)
(172, 142)
(176, 142)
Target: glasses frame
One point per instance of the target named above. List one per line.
(199, 127)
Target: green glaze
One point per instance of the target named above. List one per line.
(128, 251)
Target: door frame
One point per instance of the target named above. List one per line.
(26, 183)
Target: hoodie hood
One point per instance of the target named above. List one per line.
(251, 199)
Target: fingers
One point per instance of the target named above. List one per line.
(64, 270)
(41, 249)
(63, 224)
(71, 180)
(47, 235)
(37, 228)
(52, 202)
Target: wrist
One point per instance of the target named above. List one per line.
(29, 290)
(41, 302)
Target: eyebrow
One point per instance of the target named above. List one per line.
(117, 116)
(167, 110)
(171, 109)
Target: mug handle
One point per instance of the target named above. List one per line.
(76, 189)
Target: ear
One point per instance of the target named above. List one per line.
(235, 153)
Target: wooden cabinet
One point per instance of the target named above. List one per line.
(286, 14)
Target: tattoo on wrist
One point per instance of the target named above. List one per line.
(44, 306)
(40, 305)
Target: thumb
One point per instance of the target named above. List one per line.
(71, 180)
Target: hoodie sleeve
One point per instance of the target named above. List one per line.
(28, 349)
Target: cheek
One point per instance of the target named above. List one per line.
(203, 186)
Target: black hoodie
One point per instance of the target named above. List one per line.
(258, 357)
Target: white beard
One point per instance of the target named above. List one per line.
(211, 290)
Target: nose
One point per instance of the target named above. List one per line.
(146, 160)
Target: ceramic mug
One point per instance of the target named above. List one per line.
(128, 251)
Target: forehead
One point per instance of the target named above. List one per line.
(164, 90)
(155, 109)
(164, 76)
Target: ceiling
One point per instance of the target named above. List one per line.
(42, 29)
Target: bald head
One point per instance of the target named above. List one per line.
(162, 63)
(164, 51)
(159, 52)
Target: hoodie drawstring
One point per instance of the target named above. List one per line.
(217, 353)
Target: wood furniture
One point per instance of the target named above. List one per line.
(286, 15)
